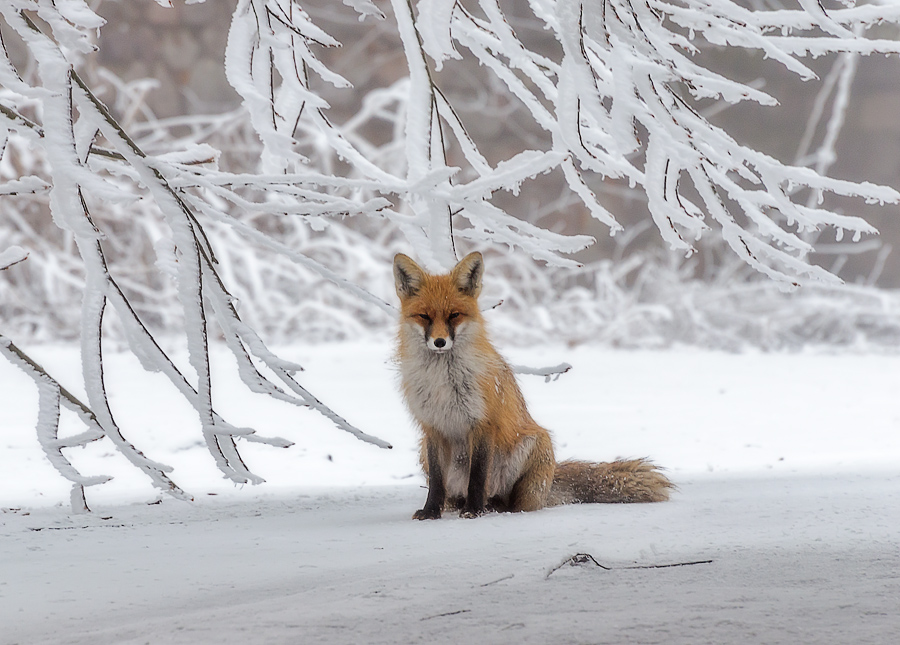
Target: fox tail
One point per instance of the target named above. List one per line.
(616, 482)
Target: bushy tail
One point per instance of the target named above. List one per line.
(616, 482)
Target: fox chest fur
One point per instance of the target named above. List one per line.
(451, 396)
(442, 391)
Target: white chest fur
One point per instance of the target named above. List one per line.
(442, 390)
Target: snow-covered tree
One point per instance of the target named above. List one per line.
(90, 159)
(618, 96)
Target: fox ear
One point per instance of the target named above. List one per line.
(407, 276)
(467, 274)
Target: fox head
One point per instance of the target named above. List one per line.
(441, 310)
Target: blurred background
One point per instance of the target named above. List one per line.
(161, 71)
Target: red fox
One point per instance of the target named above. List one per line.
(480, 448)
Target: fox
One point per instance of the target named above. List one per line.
(480, 449)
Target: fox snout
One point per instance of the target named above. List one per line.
(439, 344)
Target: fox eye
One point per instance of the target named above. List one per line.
(454, 315)
(424, 317)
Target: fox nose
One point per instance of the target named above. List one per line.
(440, 344)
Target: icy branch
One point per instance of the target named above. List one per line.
(433, 194)
(549, 373)
(621, 101)
(50, 394)
(12, 255)
(80, 171)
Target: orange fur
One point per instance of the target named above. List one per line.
(480, 447)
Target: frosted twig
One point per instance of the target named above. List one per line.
(12, 256)
(50, 394)
(549, 373)
(187, 224)
(74, 118)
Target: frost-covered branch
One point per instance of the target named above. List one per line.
(549, 373)
(74, 121)
(621, 100)
(626, 87)
(272, 39)
(50, 395)
(12, 255)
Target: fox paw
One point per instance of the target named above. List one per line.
(427, 514)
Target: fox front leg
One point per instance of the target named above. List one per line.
(475, 496)
(434, 503)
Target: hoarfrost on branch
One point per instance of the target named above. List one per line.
(88, 153)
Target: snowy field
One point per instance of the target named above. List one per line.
(788, 468)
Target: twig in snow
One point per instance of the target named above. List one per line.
(667, 566)
(578, 558)
(586, 558)
(493, 582)
(449, 613)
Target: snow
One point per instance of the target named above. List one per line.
(12, 255)
(787, 468)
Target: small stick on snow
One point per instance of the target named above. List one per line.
(666, 566)
(493, 582)
(449, 613)
(585, 558)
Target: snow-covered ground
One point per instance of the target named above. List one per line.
(788, 469)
